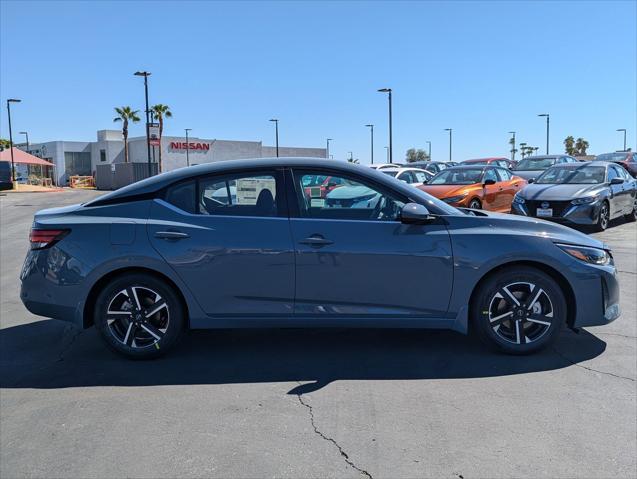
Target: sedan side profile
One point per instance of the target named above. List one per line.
(591, 193)
(171, 252)
(478, 187)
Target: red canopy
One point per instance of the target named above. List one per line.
(20, 156)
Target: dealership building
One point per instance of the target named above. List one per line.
(83, 157)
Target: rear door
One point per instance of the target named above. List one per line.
(508, 188)
(355, 259)
(228, 238)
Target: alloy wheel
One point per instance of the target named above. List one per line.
(604, 216)
(138, 317)
(475, 205)
(520, 313)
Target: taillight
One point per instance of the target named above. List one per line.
(41, 239)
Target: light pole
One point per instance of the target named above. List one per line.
(387, 154)
(624, 130)
(450, 130)
(547, 130)
(276, 126)
(327, 150)
(146, 74)
(26, 134)
(187, 146)
(388, 91)
(429, 144)
(371, 130)
(9, 101)
(512, 143)
(351, 156)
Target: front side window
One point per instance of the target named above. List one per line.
(421, 176)
(354, 199)
(238, 195)
(490, 175)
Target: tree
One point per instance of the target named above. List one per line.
(581, 145)
(126, 114)
(414, 154)
(569, 145)
(4, 144)
(160, 112)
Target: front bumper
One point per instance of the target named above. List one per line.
(576, 214)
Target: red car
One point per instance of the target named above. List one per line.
(318, 186)
(627, 159)
(495, 161)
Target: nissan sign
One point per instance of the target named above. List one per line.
(182, 145)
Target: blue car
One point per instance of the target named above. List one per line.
(242, 244)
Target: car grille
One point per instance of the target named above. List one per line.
(558, 207)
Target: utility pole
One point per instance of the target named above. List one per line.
(146, 74)
(187, 147)
(9, 101)
(371, 129)
(512, 145)
(391, 152)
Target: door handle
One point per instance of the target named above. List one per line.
(316, 241)
(171, 235)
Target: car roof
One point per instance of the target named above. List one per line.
(545, 157)
(491, 158)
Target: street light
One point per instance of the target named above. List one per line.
(327, 150)
(276, 123)
(371, 130)
(547, 130)
(387, 154)
(9, 101)
(429, 143)
(391, 156)
(26, 133)
(624, 130)
(146, 74)
(187, 146)
(450, 130)
(351, 156)
(512, 145)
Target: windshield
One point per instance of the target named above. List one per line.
(390, 173)
(462, 176)
(615, 157)
(535, 164)
(584, 175)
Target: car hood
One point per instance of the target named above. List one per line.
(559, 192)
(523, 225)
(446, 191)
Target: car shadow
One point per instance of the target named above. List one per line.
(50, 354)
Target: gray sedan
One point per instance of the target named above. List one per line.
(589, 193)
(171, 252)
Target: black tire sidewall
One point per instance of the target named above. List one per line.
(598, 225)
(175, 308)
(480, 320)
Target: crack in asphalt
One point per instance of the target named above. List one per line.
(591, 369)
(616, 334)
(329, 439)
(626, 272)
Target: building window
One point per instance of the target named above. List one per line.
(77, 163)
(102, 155)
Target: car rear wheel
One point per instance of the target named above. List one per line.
(632, 216)
(519, 311)
(139, 316)
(475, 204)
(603, 217)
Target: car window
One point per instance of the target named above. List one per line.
(356, 199)
(489, 174)
(420, 176)
(612, 173)
(182, 195)
(625, 173)
(407, 177)
(504, 174)
(239, 195)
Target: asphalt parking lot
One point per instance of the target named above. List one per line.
(311, 403)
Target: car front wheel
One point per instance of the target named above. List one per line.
(603, 217)
(519, 311)
(139, 316)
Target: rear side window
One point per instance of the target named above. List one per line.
(239, 195)
(182, 195)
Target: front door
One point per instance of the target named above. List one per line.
(354, 258)
(228, 238)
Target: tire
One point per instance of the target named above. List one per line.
(632, 216)
(144, 328)
(475, 204)
(536, 326)
(603, 218)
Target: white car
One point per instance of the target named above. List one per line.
(412, 176)
(382, 166)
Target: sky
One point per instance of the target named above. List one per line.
(481, 68)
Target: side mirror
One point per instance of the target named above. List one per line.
(530, 180)
(616, 181)
(415, 214)
(489, 182)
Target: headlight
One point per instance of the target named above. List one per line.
(454, 199)
(585, 201)
(518, 199)
(596, 256)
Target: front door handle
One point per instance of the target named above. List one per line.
(316, 241)
(171, 235)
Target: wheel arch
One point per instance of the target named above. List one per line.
(559, 278)
(91, 297)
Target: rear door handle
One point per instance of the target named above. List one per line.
(316, 241)
(171, 235)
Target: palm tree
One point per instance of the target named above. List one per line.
(160, 111)
(126, 114)
(569, 145)
(581, 145)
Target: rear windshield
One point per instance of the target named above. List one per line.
(615, 157)
(535, 164)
